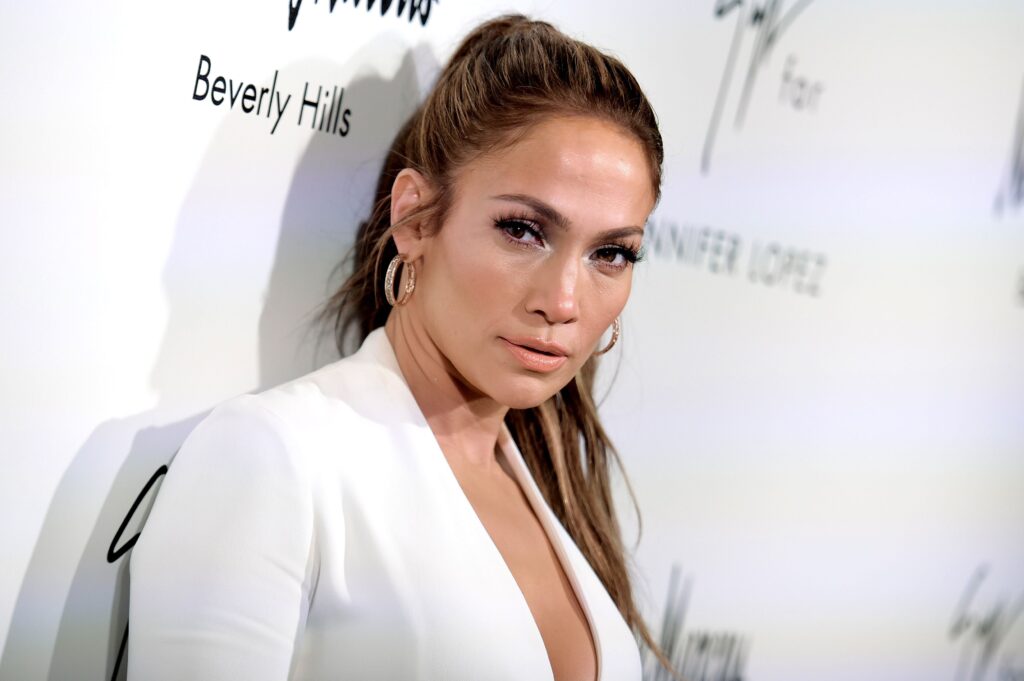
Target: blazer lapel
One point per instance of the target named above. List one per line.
(557, 534)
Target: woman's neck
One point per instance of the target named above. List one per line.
(464, 421)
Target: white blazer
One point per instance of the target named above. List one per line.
(316, 531)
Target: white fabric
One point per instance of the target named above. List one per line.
(316, 531)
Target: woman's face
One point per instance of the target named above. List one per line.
(536, 249)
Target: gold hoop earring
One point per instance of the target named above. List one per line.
(389, 281)
(615, 337)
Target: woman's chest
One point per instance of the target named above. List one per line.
(410, 582)
(531, 558)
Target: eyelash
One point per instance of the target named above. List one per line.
(504, 223)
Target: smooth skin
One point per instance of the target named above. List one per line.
(571, 195)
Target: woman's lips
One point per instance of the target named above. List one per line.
(534, 360)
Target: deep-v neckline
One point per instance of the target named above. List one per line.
(547, 520)
(545, 516)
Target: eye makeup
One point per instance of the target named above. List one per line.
(516, 226)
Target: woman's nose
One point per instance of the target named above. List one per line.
(554, 290)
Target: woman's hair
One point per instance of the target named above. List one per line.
(507, 75)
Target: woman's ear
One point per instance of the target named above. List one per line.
(409, 191)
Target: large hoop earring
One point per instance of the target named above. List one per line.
(615, 337)
(389, 281)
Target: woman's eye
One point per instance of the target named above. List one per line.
(520, 231)
(616, 256)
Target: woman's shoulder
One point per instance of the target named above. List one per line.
(358, 384)
(295, 419)
(241, 439)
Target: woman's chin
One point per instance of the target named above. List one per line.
(526, 392)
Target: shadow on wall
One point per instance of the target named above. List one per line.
(71, 616)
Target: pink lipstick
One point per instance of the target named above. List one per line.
(535, 360)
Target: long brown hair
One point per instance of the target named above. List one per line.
(507, 74)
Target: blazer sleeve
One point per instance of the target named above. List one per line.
(218, 585)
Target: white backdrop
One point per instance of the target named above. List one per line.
(819, 395)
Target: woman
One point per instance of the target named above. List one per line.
(436, 505)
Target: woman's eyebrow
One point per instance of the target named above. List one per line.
(549, 213)
(552, 215)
